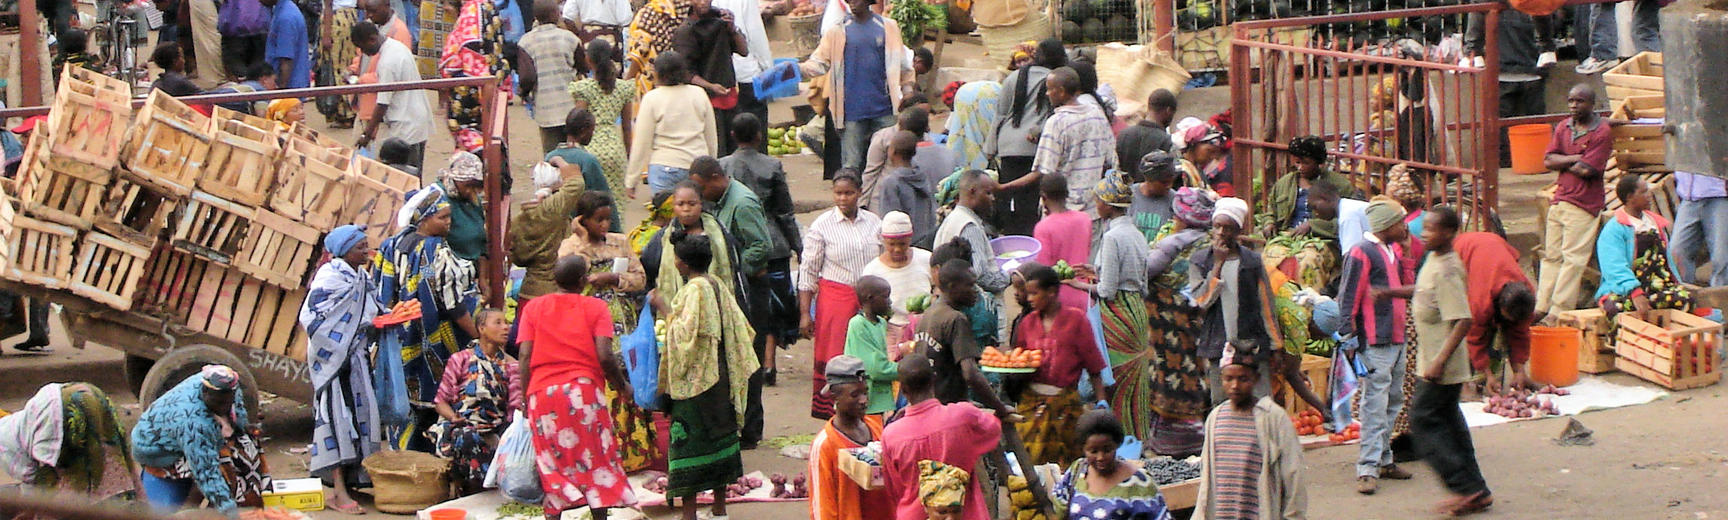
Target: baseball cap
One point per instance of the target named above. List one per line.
(842, 369)
(29, 124)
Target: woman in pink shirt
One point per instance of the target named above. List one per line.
(1065, 235)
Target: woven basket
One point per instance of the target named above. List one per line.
(405, 481)
(806, 32)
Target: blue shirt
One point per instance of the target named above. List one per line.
(288, 42)
(178, 426)
(866, 70)
(510, 18)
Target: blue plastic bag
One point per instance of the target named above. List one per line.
(1130, 449)
(779, 81)
(392, 385)
(642, 359)
(1342, 385)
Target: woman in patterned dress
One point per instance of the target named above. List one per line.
(633, 426)
(1129, 490)
(608, 99)
(477, 396)
(1178, 380)
(474, 47)
(335, 52)
(67, 439)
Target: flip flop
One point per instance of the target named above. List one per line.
(352, 508)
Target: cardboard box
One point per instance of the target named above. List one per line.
(303, 494)
(863, 465)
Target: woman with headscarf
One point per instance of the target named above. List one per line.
(1118, 288)
(464, 185)
(972, 122)
(1178, 377)
(651, 34)
(541, 225)
(67, 439)
(1202, 144)
(478, 393)
(337, 317)
(942, 489)
(617, 278)
(285, 112)
(905, 268)
(705, 370)
(659, 215)
(1289, 202)
(197, 435)
(417, 264)
(659, 264)
(1013, 140)
(473, 48)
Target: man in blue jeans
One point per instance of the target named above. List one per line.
(868, 70)
(1378, 280)
(1604, 33)
(1700, 225)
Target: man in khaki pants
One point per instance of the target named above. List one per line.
(1579, 152)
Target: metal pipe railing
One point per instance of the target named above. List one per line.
(303, 93)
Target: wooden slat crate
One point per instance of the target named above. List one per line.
(1638, 107)
(212, 310)
(1639, 75)
(1318, 371)
(278, 250)
(40, 252)
(1670, 348)
(1640, 145)
(89, 119)
(310, 185)
(212, 227)
(7, 233)
(1596, 352)
(134, 211)
(170, 143)
(109, 269)
(302, 131)
(66, 192)
(375, 193)
(242, 161)
(171, 283)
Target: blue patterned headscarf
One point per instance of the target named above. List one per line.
(422, 204)
(343, 238)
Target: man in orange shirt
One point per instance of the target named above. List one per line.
(833, 494)
(379, 13)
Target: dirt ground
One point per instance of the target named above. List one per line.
(1662, 460)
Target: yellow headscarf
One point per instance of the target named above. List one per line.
(278, 109)
(941, 485)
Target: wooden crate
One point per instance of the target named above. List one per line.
(1596, 351)
(90, 118)
(109, 269)
(40, 252)
(310, 186)
(278, 250)
(169, 144)
(301, 130)
(242, 161)
(1639, 75)
(212, 227)
(170, 283)
(1318, 370)
(375, 193)
(1638, 107)
(134, 210)
(7, 215)
(66, 192)
(1640, 145)
(1670, 348)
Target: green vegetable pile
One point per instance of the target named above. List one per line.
(914, 16)
(917, 304)
(519, 510)
(789, 440)
(1063, 270)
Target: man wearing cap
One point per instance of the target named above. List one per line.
(337, 312)
(14, 305)
(833, 495)
(1153, 195)
(1373, 295)
(185, 428)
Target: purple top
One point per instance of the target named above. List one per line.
(1696, 186)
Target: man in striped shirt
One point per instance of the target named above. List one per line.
(1252, 465)
(1379, 274)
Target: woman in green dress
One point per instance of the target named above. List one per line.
(608, 99)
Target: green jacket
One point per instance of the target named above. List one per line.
(467, 227)
(1283, 203)
(868, 342)
(536, 232)
(741, 212)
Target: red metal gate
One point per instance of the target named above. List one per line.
(1373, 110)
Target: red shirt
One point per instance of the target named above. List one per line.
(1595, 145)
(1068, 346)
(563, 327)
(953, 434)
(1491, 264)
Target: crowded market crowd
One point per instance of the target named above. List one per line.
(1166, 310)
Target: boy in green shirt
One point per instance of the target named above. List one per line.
(867, 340)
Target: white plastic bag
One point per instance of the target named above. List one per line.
(513, 470)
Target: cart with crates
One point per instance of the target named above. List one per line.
(178, 238)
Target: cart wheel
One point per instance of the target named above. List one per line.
(182, 362)
(137, 368)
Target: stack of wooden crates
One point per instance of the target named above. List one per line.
(212, 223)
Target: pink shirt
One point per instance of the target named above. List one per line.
(953, 434)
(1066, 236)
(456, 377)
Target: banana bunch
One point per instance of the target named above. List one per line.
(1025, 504)
(660, 331)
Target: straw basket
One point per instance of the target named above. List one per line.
(806, 33)
(405, 481)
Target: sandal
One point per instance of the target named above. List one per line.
(351, 508)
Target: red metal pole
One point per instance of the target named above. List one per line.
(1489, 96)
(29, 69)
(492, 113)
(1164, 25)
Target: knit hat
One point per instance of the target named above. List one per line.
(1233, 208)
(896, 224)
(1383, 214)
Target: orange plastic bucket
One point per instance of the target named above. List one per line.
(1554, 355)
(448, 514)
(1528, 142)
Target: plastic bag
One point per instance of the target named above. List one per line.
(1131, 449)
(1341, 386)
(392, 386)
(513, 470)
(642, 360)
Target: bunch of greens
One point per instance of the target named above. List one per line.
(914, 16)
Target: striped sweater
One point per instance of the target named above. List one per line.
(1373, 264)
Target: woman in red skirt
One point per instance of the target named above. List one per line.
(836, 248)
